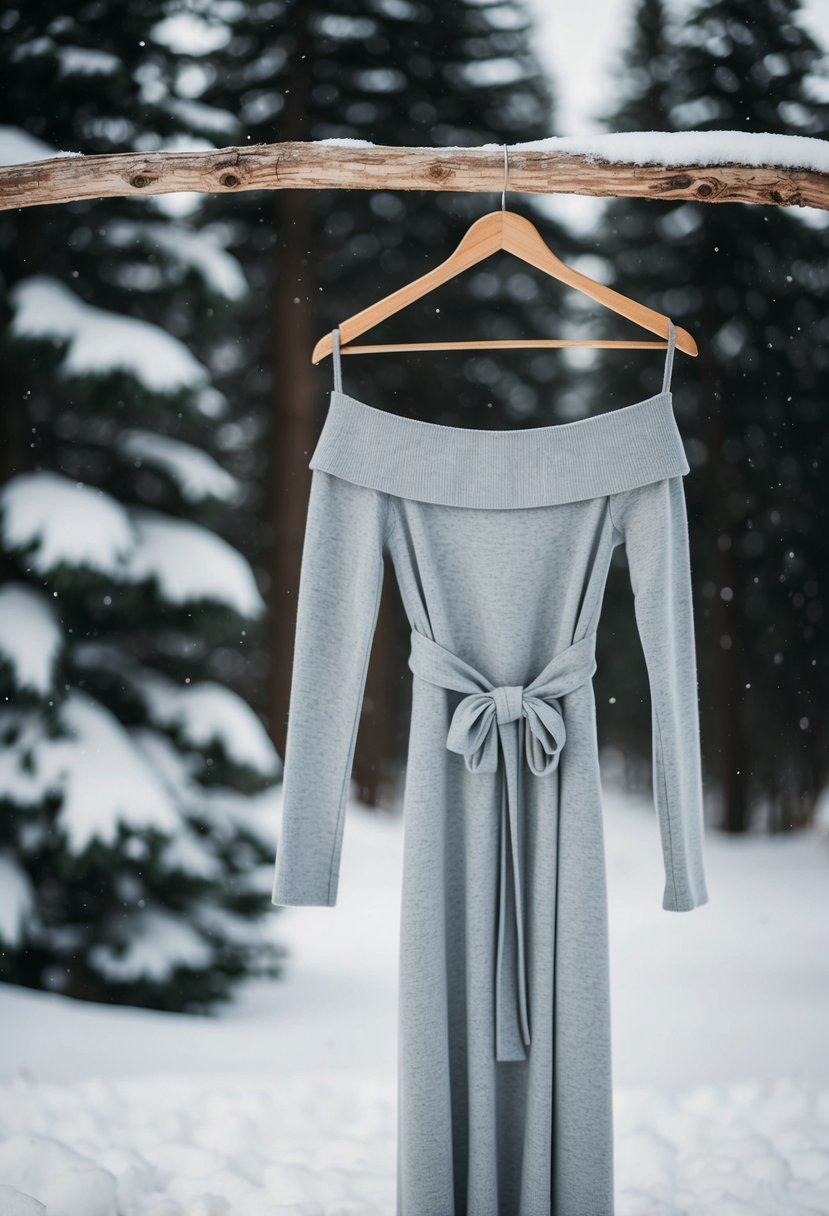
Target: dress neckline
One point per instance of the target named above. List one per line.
(504, 468)
(533, 467)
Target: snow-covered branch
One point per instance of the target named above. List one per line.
(704, 166)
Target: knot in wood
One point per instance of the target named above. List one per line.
(439, 172)
(229, 180)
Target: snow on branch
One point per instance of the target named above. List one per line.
(703, 166)
(99, 342)
(31, 639)
(58, 523)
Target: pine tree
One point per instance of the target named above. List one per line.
(745, 281)
(135, 843)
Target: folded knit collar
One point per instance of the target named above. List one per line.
(537, 466)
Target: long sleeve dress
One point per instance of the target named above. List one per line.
(501, 543)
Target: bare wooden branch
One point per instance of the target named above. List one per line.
(316, 166)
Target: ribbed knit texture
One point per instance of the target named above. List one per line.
(540, 466)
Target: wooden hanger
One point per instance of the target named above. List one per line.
(495, 231)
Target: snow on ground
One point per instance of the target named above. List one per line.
(286, 1102)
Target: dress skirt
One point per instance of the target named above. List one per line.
(477, 1136)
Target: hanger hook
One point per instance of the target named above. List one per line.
(506, 172)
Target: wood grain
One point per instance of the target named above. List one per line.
(315, 166)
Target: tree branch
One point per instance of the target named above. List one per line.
(356, 166)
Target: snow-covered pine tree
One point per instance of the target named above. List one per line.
(136, 843)
(748, 282)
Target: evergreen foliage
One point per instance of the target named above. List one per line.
(135, 832)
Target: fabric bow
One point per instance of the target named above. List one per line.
(472, 731)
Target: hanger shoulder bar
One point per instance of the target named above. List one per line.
(512, 344)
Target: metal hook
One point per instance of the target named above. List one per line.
(506, 171)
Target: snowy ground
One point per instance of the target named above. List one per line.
(286, 1103)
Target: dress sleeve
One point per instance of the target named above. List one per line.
(651, 521)
(341, 577)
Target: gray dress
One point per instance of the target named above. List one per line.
(501, 543)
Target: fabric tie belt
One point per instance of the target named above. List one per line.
(471, 733)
